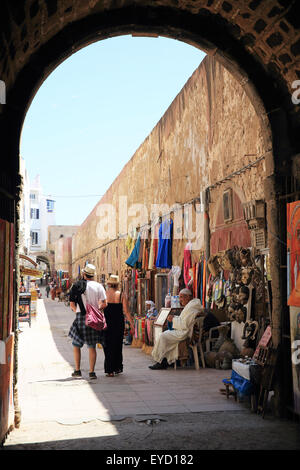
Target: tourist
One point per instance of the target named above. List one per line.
(83, 291)
(117, 307)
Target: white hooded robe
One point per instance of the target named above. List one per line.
(167, 343)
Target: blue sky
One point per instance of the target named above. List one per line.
(94, 111)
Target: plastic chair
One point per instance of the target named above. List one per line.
(210, 340)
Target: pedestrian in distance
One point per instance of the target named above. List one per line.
(48, 290)
(117, 307)
(82, 292)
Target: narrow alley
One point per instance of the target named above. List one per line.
(140, 409)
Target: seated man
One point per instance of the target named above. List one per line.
(165, 350)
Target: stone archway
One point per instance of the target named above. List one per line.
(258, 42)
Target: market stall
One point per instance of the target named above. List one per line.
(28, 288)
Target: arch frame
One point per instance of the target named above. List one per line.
(205, 30)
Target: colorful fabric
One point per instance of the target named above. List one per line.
(164, 255)
(149, 332)
(242, 386)
(204, 283)
(153, 246)
(195, 280)
(134, 256)
(139, 329)
(187, 260)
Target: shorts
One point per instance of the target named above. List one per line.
(93, 346)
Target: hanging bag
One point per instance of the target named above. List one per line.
(94, 317)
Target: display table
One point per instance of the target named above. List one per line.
(240, 379)
(241, 369)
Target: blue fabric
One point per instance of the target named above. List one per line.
(134, 256)
(164, 255)
(241, 385)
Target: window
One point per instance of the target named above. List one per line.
(34, 213)
(34, 238)
(50, 205)
(32, 196)
(227, 205)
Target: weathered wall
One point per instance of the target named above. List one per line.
(63, 254)
(55, 231)
(57, 261)
(210, 131)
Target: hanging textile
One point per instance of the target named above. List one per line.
(176, 272)
(199, 282)
(187, 260)
(140, 258)
(170, 282)
(151, 255)
(134, 256)
(145, 248)
(164, 255)
(204, 283)
(139, 330)
(149, 325)
(195, 284)
(153, 246)
(132, 293)
(195, 280)
(129, 243)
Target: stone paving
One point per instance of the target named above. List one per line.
(49, 393)
(59, 412)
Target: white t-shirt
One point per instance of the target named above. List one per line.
(93, 294)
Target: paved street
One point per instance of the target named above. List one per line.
(139, 409)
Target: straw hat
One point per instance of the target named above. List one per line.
(113, 279)
(89, 270)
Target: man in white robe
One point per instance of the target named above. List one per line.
(165, 350)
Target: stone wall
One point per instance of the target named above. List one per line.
(56, 231)
(209, 132)
(63, 254)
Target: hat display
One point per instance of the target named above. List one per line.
(89, 270)
(113, 279)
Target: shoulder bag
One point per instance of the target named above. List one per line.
(94, 317)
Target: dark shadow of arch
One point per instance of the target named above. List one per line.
(209, 32)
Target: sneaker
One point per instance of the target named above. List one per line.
(92, 375)
(76, 373)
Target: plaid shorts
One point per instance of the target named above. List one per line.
(82, 334)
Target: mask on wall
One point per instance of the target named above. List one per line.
(243, 295)
(241, 314)
(213, 265)
(246, 276)
(245, 258)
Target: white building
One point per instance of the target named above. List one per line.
(42, 214)
(25, 239)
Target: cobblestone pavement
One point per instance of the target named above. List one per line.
(140, 409)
